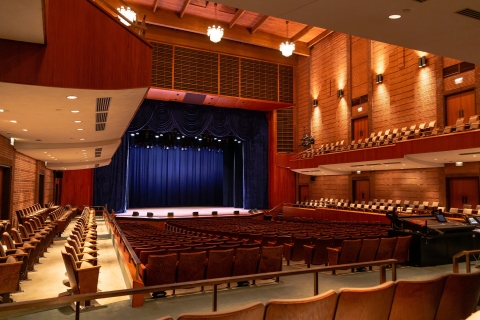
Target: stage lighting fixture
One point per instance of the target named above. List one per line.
(236, 212)
(135, 214)
(150, 214)
(170, 214)
(195, 213)
(214, 213)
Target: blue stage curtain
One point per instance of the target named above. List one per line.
(255, 169)
(110, 181)
(193, 120)
(171, 178)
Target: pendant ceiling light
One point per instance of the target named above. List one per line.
(127, 13)
(286, 47)
(215, 32)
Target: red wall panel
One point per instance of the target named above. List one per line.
(77, 187)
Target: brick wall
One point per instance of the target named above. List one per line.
(304, 99)
(24, 175)
(49, 190)
(360, 72)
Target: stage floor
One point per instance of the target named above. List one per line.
(182, 212)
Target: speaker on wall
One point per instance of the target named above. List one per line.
(59, 174)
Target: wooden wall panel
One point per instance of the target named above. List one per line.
(360, 129)
(463, 191)
(359, 58)
(77, 187)
(455, 103)
(86, 48)
(336, 187)
(281, 180)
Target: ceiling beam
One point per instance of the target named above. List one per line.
(155, 6)
(191, 23)
(318, 38)
(301, 33)
(237, 16)
(184, 8)
(258, 24)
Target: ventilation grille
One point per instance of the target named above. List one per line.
(162, 65)
(286, 84)
(98, 152)
(259, 80)
(470, 13)
(359, 100)
(458, 68)
(196, 70)
(285, 130)
(229, 76)
(103, 104)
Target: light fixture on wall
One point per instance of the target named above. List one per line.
(379, 78)
(459, 164)
(215, 32)
(422, 62)
(286, 47)
(339, 93)
(358, 172)
(315, 103)
(458, 80)
(127, 13)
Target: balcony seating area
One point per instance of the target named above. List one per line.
(80, 255)
(452, 296)
(392, 136)
(382, 206)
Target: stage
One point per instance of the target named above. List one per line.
(184, 213)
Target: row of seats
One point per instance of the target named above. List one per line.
(389, 136)
(80, 255)
(32, 211)
(447, 297)
(62, 217)
(21, 249)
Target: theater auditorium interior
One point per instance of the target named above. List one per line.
(186, 159)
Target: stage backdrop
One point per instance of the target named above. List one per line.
(249, 185)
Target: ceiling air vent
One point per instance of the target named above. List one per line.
(103, 104)
(98, 152)
(392, 162)
(470, 13)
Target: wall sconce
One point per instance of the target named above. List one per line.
(422, 62)
(458, 80)
(360, 109)
(459, 164)
(339, 93)
(315, 103)
(358, 172)
(379, 78)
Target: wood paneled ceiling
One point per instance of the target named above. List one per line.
(239, 25)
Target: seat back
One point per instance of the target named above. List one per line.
(191, 266)
(460, 296)
(368, 250)
(386, 248)
(270, 259)
(320, 307)
(220, 263)
(350, 250)
(246, 260)
(298, 252)
(69, 262)
(9, 275)
(252, 311)
(146, 253)
(160, 269)
(417, 300)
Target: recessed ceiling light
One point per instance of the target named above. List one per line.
(84, 150)
(78, 121)
(45, 152)
(71, 97)
(395, 16)
(24, 129)
(13, 121)
(435, 159)
(82, 139)
(1, 110)
(75, 111)
(79, 129)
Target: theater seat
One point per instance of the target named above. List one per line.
(459, 306)
(417, 300)
(347, 253)
(320, 307)
(370, 303)
(159, 270)
(9, 277)
(317, 253)
(252, 311)
(402, 248)
(294, 251)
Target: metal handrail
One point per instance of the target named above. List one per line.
(459, 255)
(8, 310)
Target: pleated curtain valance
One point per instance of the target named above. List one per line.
(193, 120)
